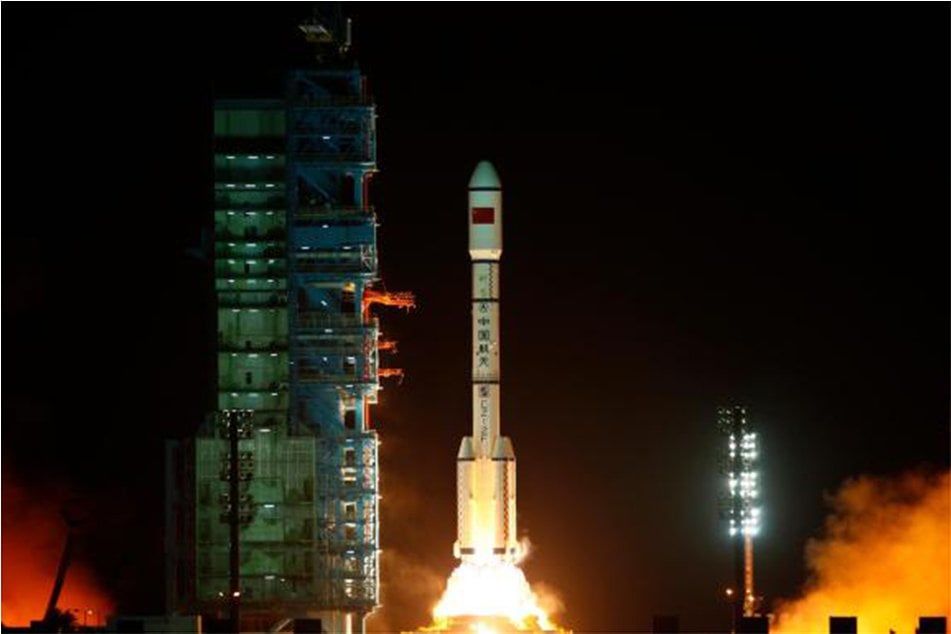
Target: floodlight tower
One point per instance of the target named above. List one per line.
(740, 503)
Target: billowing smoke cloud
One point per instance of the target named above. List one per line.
(33, 537)
(884, 557)
(410, 587)
(549, 597)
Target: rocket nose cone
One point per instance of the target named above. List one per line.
(484, 176)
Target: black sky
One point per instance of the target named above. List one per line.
(704, 203)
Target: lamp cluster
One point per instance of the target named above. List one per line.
(741, 506)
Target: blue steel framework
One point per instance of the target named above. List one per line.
(331, 149)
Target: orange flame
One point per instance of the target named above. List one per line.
(490, 595)
(883, 558)
(385, 373)
(33, 539)
(402, 299)
(492, 588)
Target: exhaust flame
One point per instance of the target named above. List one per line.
(883, 558)
(492, 588)
(490, 593)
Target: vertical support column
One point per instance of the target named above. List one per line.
(358, 190)
(739, 540)
(234, 526)
(748, 592)
(359, 291)
(739, 597)
(359, 412)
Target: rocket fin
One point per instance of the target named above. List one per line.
(466, 451)
(503, 449)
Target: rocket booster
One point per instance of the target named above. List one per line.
(486, 460)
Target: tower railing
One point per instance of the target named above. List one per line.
(255, 298)
(241, 274)
(256, 284)
(310, 320)
(358, 258)
(251, 343)
(276, 234)
(250, 174)
(336, 345)
(228, 198)
(336, 101)
(320, 376)
(314, 214)
(352, 156)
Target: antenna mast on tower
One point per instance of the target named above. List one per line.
(328, 30)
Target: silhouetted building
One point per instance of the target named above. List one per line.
(843, 625)
(932, 625)
(753, 625)
(666, 624)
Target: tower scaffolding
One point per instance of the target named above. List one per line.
(296, 264)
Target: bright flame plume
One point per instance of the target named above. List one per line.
(488, 589)
(490, 594)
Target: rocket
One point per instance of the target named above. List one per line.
(485, 475)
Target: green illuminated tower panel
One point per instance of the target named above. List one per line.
(279, 532)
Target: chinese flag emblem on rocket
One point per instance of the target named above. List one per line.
(483, 215)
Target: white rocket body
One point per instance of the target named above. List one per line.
(486, 460)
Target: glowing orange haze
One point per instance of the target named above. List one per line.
(884, 558)
(33, 538)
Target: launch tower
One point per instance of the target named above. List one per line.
(295, 263)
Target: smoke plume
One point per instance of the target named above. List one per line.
(409, 588)
(884, 557)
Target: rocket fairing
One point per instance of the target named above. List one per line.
(486, 461)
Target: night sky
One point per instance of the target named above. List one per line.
(705, 204)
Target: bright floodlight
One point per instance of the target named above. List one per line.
(741, 506)
(739, 502)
